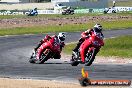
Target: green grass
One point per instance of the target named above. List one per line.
(60, 16)
(46, 16)
(65, 28)
(68, 48)
(41, 29)
(120, 46)
(12, 16)
(121, 3)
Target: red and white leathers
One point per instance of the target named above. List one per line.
(86, 33)
(44, 44)
(84, 36)
(81, 40)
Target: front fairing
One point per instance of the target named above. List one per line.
(96, 39)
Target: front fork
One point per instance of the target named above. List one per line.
(47, 51)
(96, 49)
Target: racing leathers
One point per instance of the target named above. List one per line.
(34, 12)
(81, 40)
(84, 35)
(47, 38)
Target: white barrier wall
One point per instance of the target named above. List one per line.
(46, 12)
(119, 9)
(9, 12)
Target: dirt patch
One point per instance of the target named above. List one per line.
(39, 21)
(17, 83)
(112, 60)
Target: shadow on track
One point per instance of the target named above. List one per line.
(65, 62)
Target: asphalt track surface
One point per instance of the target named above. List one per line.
(16, 50)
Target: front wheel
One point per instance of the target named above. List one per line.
(90, 56)
(31, 61)
(42, 59)
(74, 62)
(32, 58)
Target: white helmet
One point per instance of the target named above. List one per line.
(62, 36)
(98, 28)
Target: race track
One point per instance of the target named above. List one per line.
(15, 51)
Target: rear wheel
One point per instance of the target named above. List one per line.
(72, 13)
(90, 56)
(63, 13)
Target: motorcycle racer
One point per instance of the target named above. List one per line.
(61, 37)
(97, 28)
(33, 12)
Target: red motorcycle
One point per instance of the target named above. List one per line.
(49, 49)
(90, 47)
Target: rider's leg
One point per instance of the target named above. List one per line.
(37, 46)
(40, 50)
(78, 45)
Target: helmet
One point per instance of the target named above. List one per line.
(35, 8)
(97, 28)
(61, 36)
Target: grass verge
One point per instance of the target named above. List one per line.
(65, 28)
(63, 16)
(120, 46)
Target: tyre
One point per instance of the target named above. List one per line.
(72, 13)
(63, 13)
(113, 11)
(43, 58)
(105, 12)
(31, 61)
(32, 58)
(38, 62)
(73, 61)
(90, 57)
